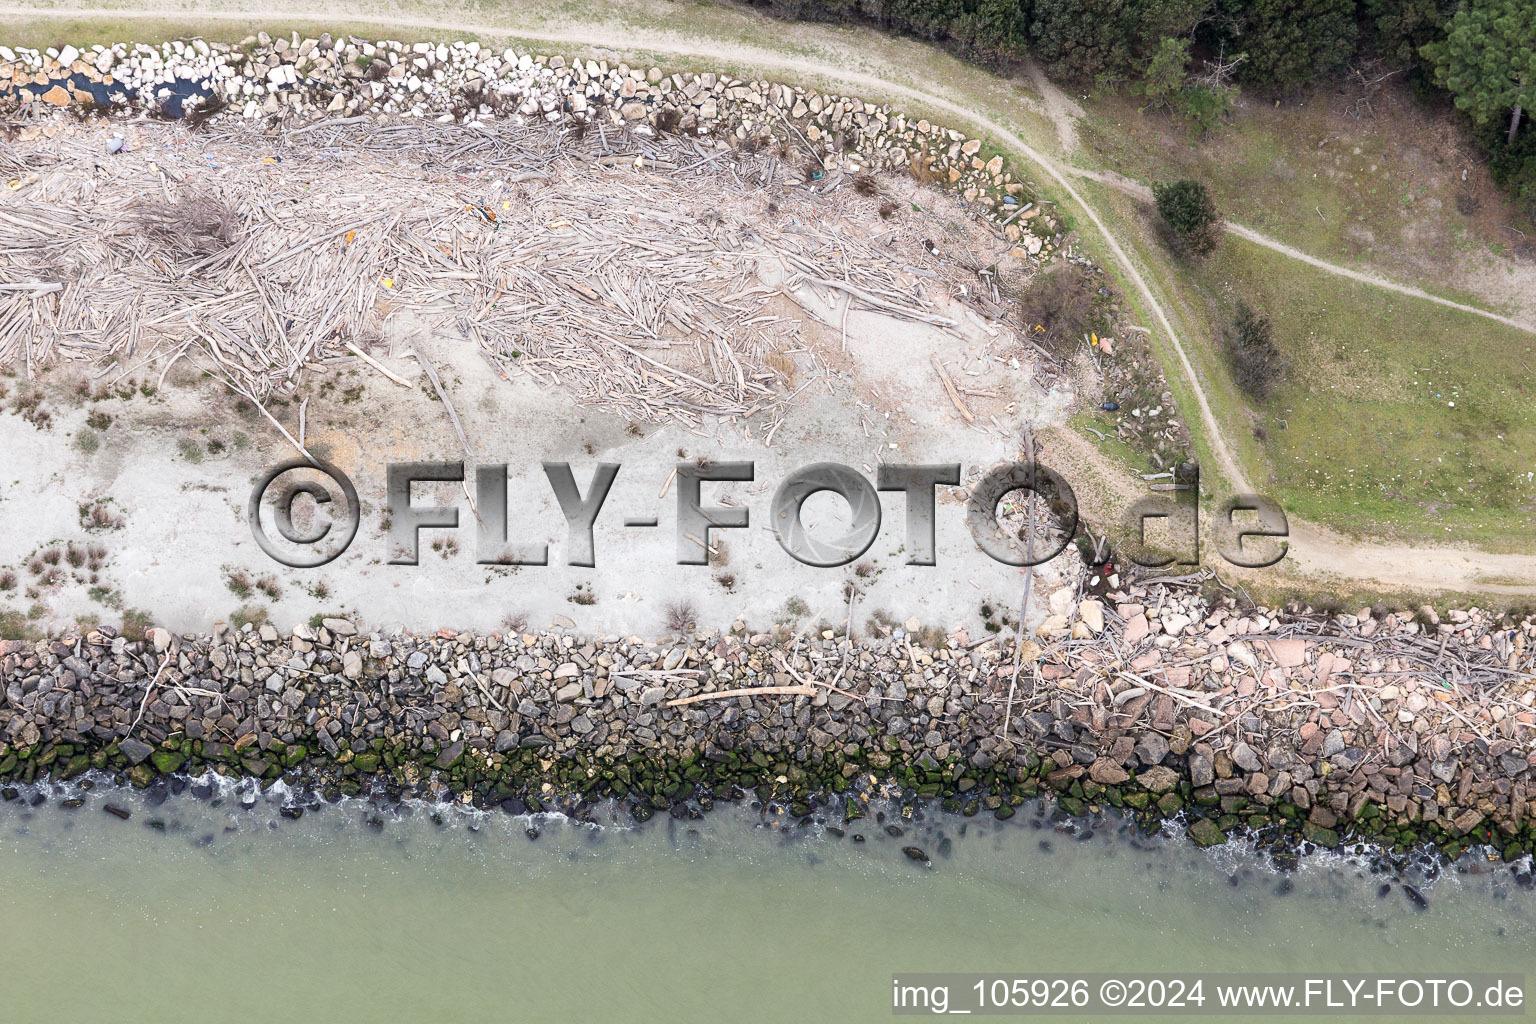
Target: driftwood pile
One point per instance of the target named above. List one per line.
(619, 264)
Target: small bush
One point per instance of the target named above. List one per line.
(13, 626)
(1257, 363)
(97, 516)
(1189, 213)
(238, 582)
(87, 442)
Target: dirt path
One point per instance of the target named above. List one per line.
(1132, 187)
(1315, 549)
(1059, 107)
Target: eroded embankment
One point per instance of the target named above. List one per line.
(1149, 699)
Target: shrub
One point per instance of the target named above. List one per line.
(97, 516)
(1205, 105)
(1189, 212)
(667, 122)
(1167, 84)
(13, 626)
(1058, 307)
(1288, 42)
(1257, 363)
(1513, 164)
(238, 582)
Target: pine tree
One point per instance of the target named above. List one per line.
(1291, 42)
(1488, 59)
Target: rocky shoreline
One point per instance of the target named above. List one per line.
(1402, 729)
(1380, 727)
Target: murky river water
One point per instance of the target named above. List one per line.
(198, 910)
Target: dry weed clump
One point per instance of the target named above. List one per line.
(922, 169)
(1058, 308)
(681, 616)
(197, 225)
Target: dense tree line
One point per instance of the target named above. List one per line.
(1191, 55)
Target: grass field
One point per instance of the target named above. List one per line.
(1371, 445)
(1401, 191)
(1395, 411)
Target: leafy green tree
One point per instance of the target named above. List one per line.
(1513, 165)
(1488, 60)
(998, 25)
(928, 18)
(1108, 40)
(1189, 212)
(1397, 28)
(1156, 20)
(1167, 84)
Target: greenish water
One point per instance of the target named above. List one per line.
(196, 911)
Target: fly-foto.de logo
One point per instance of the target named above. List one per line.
(1018, 513)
